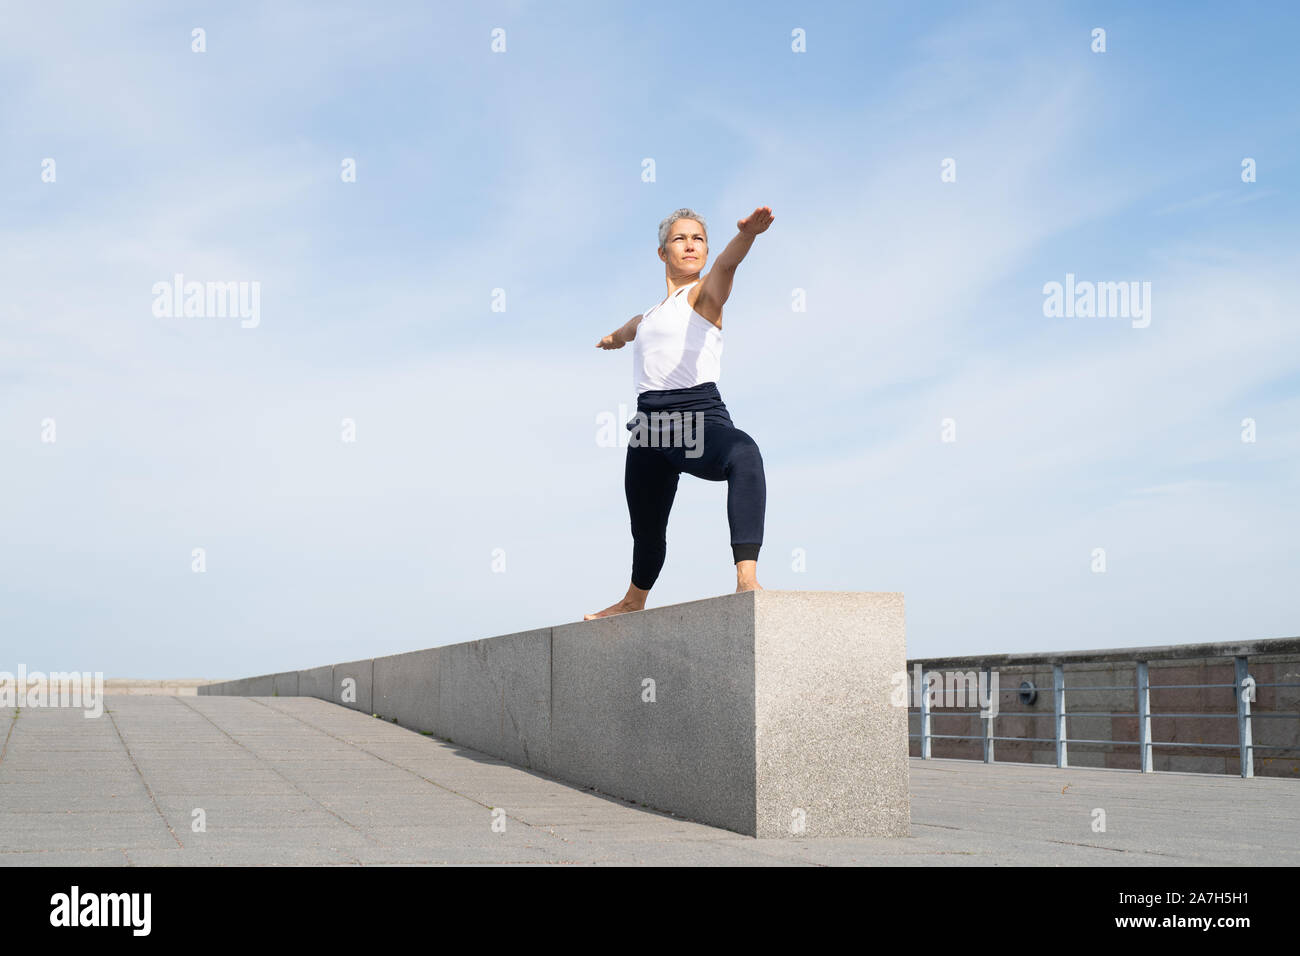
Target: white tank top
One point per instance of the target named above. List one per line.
(675, 346)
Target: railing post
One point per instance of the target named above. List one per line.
(1058, 691)
(1244, 686)
(925, 719)
(1144, 716)
(988, 721)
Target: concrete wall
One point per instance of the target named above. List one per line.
(178, 687)
(765, 712)
(1017, 719)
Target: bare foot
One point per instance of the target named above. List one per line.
(747, 576)
(622, 607)
(633, 600)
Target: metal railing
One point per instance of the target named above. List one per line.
(1244, 689)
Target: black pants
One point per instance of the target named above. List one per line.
(701, 441)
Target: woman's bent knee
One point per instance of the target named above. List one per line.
(744, 453)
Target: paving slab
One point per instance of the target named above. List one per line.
(303, 781)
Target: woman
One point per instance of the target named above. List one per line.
(676, 366)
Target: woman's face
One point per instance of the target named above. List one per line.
(686, 247)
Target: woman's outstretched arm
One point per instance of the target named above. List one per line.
(620, 337)
(716, 287)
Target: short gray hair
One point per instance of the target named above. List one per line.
(683, 213)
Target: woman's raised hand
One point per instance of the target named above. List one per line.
(609, 342)
(757, 221)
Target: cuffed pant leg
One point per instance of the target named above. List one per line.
(650, 482)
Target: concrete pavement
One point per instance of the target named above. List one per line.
(288, 780)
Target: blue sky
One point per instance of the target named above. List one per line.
(522, 171)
